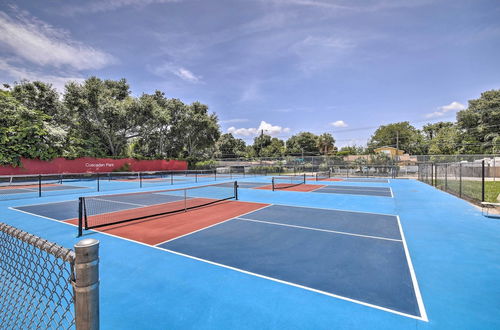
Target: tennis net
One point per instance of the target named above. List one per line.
(105, 210)
(322, 175)
(288, 181)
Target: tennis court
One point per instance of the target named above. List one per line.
(342, 255)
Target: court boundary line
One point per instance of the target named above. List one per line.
(320, 187)
(215, 224)
(367, 180)
(420, 318)
(359, 302)
(333, 187)
(353, 192)
(322, 230)
(324, 208)
(413, 275)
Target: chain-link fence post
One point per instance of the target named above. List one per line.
(446, 177)
(86, 284)
(460, 182)
(482, 181)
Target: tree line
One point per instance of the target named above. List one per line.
(100, 118)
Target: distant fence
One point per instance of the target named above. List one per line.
(91, 165)
(475, 181)
(46, 286)
(372, 159)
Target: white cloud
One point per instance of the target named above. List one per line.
(339, 123)
(264, 126)
(40, 43)
(178, 71)
(453, 106)
(17, 74)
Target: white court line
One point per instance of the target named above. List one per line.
(320, 187)
(118, 202)
(422, 311)
(381, 189)
(215, 224)
(392, 194)
(318, 229)
(44, 217)
(357, 191)
(338, 210)
(418, 294)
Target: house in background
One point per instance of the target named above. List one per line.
(389, 151)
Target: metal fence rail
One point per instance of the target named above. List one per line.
(474, 181)
(46, 286)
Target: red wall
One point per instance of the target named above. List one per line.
(87, 164)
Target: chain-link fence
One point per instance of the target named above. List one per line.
(41, 283)
(474, 181)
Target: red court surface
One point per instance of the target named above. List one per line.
(160, 229)
(301, 187)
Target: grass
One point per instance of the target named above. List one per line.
(472, 189)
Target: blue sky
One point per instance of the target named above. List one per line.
(286, 66)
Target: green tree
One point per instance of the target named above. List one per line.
(201, 131)
(351, 150)
(431, 130)
(105, 117)
(26, 133)
(302, 143)
(402, 134)
(326, 143)
(40, 96)
(229, 147)
(480, 124)
(445, 141)
(260, 142)
(275, 149)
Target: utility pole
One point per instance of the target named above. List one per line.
(397, 140)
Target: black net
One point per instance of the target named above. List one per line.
(99, 211)
(287, 181)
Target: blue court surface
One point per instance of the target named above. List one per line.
(356, 190)
(396, 254)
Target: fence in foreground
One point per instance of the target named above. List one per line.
(476, 181)
(46, 286)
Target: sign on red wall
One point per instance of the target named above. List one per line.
(88, 164)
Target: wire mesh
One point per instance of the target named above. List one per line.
(35, 282)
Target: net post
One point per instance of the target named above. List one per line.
(98, 182)
(272, 180)
(171, 177)
(86, 284)
(80, 216)
(196, 177)
(185, 200)
(304, 181)
(236, 190)
(215, 175)
(140, 179)
(482, 180)
(39, 185)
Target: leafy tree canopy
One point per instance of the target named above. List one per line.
(480, 123)
(401, 134)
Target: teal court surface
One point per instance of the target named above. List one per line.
(355, 253)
